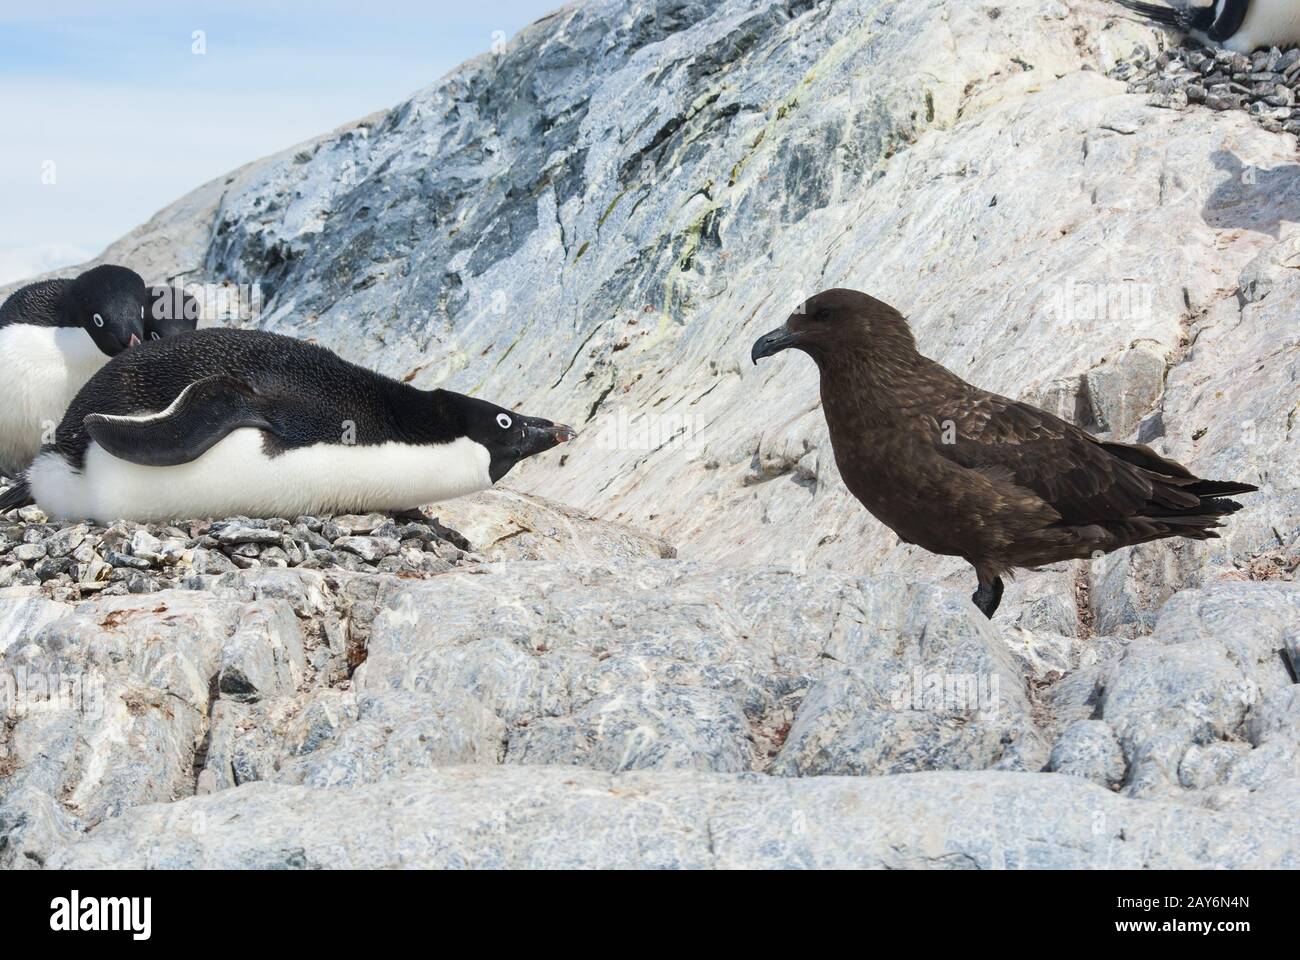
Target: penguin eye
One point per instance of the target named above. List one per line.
(503, 421)
(99, 321)
(142, 311)
(155, 335)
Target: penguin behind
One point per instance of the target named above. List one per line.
(1241, 26)
(171, 312)
(54, 335)
(225, 422)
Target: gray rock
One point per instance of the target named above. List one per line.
(1123, 391)
(218, 755)
(354, 524)
(1088, 749)
(145, 546)
(66, 540)
(1184, 702)
(32, 823)
(211, 562)
(561, 817)
(51, 567)
(28, 552)
(123, 560)
(613, 667)
(238, 533)
(921, 721)
(264, 657)
(390, 736)
(9, 572)
(369, 549)
(22, 617)
(503, 525)
(128, 682)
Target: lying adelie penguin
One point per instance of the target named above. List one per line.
(54, 335)
(239, 422)
(171, 313)
(1238, 25)
(967, 473)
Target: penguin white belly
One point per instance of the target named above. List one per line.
(236, 477)
(44, 369)
(1268, 23)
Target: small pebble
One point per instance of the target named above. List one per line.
(244, 533)
(124, 560)
(29, 552)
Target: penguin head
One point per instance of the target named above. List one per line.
(171, 311)
(508, 436)
(109, 303)
(838, 322)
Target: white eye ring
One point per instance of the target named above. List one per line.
(99, 321)
(503, 421)
(155, 335)
(141, 311)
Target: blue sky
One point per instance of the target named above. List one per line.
(132, 118)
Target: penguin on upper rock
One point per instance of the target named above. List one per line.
(1237, 25)
(224, 422)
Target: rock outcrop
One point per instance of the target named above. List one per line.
(597, 222)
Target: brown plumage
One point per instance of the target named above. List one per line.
(967, 473)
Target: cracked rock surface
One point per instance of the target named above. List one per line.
(277, 689)
(593, 226)
(514, 817)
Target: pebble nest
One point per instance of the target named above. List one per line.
(1265, 84)
(72, 561)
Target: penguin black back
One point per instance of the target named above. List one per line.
(39, 304)
(319, 395)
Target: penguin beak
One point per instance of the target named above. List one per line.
(782, 338)
(542, 435)
(134, 341)
(528, 437)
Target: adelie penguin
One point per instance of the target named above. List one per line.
(238, 422)
(1237, 25)
(54, 336)
(963, 472)
(170, 313)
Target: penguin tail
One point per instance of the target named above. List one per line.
(1158, 13)
(19, 495)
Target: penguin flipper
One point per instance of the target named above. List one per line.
(1187, 18)
(16, 496)
(1155, 11)
(205, 413)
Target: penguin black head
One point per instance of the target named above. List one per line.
(171, 311)
(508, 436)
(838, 322)
(109, 303)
